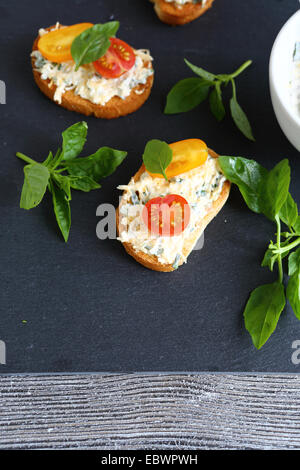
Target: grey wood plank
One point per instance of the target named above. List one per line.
(150, 412)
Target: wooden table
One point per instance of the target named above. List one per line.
(150, 412)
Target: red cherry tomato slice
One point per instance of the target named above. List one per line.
(123, 52)
(167, 216)
(108, 67)
(118, 59)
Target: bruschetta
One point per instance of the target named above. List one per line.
(179, 12)
(102, 88)
(203, 187)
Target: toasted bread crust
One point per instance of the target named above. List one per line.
(150, 261)
(114, 108)
(170, 13)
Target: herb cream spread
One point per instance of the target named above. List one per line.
(200, 187)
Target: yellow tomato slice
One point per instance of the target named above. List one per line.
(56, 45)
(187, 155)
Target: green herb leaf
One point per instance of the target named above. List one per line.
(293, 292)
(294, 262)
(296, 225)
(186, 95)
(289, 211)
(157, 157)
(216, 103)
(35, 185)
(276, 188)
(93, 43)
(99, 165)
(74, 139)
(210, 77)
(240, 119)
(262, 312)
(62, 209)
(269, 260)
(248, 175)
(63, 182)
(83, 183)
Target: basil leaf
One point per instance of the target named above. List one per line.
(157, 157)
(62, 209)
(186, 95)
(35, 185)
(275, 190)
(74, 139)
(296, 225)
(262, 312)
(216, 103)
(93, 43)
(269, 260)
(64, 183)
(248, 175)
(83, 183)
(240, 119)
(210, 77)
(289, 211)
(294, 262)
(99, 165)
(293, 292)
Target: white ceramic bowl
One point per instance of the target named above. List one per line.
(280, 70)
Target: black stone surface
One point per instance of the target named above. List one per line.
(88, 306)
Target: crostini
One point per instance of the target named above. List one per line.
(195, 186)
(113, 85)
(179, 12)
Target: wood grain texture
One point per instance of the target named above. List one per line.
(150, 412)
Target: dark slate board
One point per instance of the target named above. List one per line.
(88, 306)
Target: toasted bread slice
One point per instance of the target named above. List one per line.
(173, 14)
(151, 261)
(114, 108)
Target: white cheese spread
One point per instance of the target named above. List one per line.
(43, 31)
(87, 83)
(200, 187)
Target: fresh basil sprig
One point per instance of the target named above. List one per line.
(93, 43)
(267, 192)
(157, 157)
(63, 171)
(187, 94)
